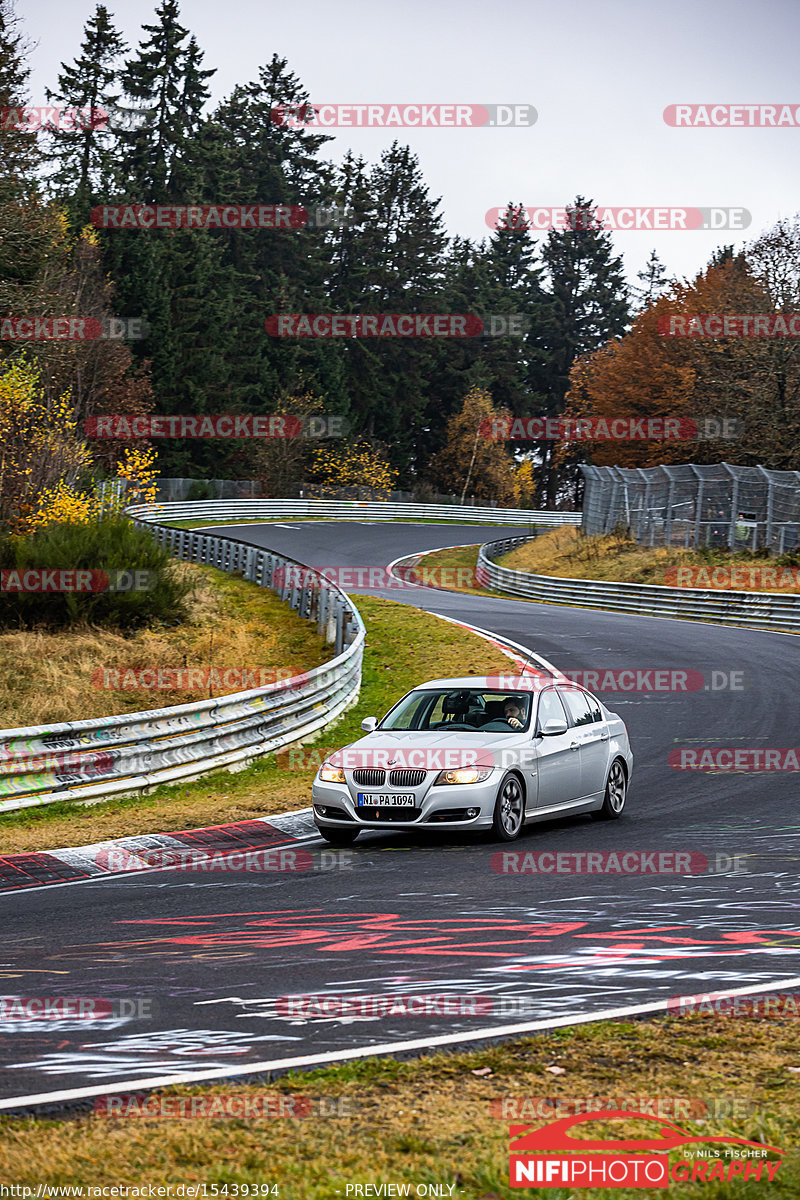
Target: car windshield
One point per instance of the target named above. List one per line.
(460, 709)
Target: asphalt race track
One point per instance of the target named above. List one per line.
(203, 961)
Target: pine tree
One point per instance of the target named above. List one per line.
(390, 261)
(19, 150)
(256, 159)
(654, 282)
(83, 158)
(588, 306)
(166, 81)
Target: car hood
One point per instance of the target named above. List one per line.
(439, 738)
(434, 750)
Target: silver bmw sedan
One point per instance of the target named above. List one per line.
(486, 752)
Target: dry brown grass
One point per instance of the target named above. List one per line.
(48, 677)
(567, 553)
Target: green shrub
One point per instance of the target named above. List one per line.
(200, 489)
(111, 545)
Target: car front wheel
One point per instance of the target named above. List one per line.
(616, 792)
(509, 810)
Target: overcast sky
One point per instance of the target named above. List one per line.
(598, 72)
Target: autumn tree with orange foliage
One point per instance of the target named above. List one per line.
(647, 373)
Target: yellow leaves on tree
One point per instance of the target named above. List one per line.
(138, 469)
(524, 484)
(358, 464)
(40, 450)
(43, 459)
(469, 463)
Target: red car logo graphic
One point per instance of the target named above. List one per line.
(556, 1136)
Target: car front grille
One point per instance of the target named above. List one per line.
(370, 776)
(407, 778)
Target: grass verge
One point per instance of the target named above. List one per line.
(48, 677)
(440, 1119)
(404, 647)
(567, 553)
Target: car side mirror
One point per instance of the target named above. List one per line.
(368, 724)
(553, 727)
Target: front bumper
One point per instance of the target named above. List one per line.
(445, 806)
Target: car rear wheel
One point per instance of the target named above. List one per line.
(338, 837)
(616, 792)
(509, 810)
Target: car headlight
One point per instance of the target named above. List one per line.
(331, 774)
(463, 775)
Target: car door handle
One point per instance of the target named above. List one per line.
(605, 736)
(574, 745)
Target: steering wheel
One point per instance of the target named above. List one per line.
(459, 725)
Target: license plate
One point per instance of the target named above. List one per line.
(385, 800)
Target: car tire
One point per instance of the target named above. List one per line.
(615, 794)
(509, 810)
(338, 837)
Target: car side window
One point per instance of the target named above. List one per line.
(578, 706)
(594, 705)
(550, 708)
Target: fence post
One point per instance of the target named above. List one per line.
(698, 510)
(668, 516)
(734, 512)
(770, 509)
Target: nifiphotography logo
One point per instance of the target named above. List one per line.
(630, 1162)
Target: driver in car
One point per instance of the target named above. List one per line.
(512, 713)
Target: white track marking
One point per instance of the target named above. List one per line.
(390, 1048)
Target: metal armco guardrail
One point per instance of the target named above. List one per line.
(370, 510)
(754, 610)
(132, 753)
